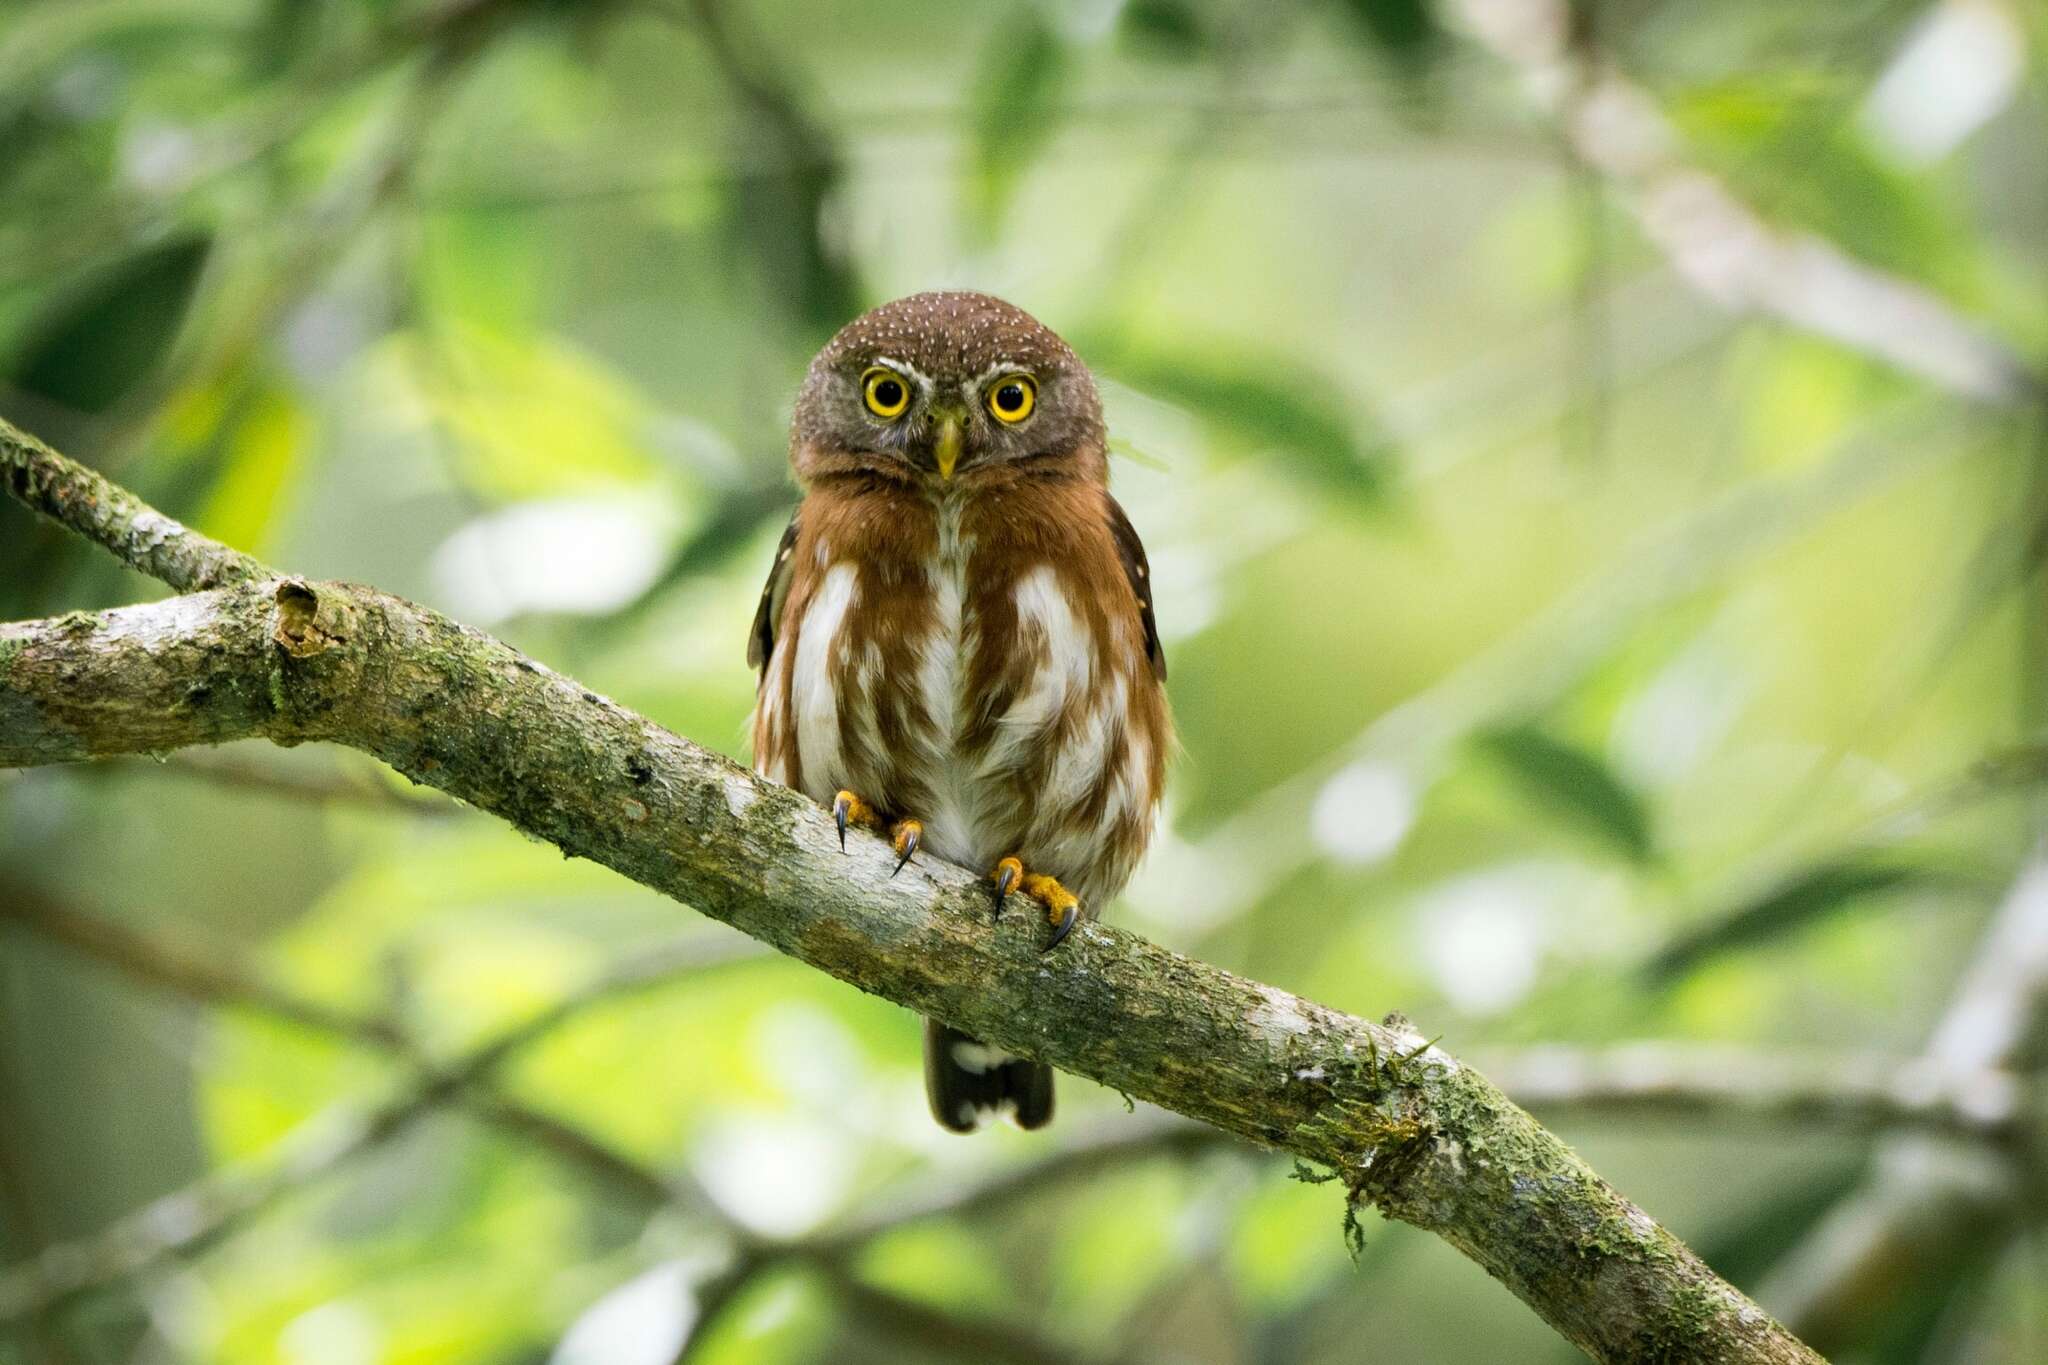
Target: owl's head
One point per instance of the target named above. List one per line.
(947, 387)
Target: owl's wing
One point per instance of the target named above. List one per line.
(768, 616)
(1131, 551)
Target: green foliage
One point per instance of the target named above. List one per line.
(1805, 896)
(1265, 404)
(1406, 30)
(1023, 73)
(1565, 781)
(91, 345)
(1172, 30)
(1791, 145)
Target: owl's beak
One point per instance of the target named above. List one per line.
(946, 448)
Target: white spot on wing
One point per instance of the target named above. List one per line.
(1069, 659)
(814, 689)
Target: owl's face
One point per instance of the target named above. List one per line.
(946, 388)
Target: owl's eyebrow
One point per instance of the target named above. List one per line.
(999, 368)
(903, 367)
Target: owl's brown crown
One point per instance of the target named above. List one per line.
(949, 336)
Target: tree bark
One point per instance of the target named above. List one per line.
(1401, 1123)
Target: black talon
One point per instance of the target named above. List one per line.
(1006, 882)
(910, 841)
(839, 819)
(1068, 920)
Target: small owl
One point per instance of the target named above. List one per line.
(956, 644)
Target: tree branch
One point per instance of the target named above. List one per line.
(1405, 1126)
(115, 519)
(1717, 243)
(1854, 1092)
(216, 1205)
(1930, 1207)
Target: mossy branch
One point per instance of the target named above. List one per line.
(1402, 1124)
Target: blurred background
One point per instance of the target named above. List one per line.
(1592, 471)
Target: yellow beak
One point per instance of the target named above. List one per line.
(947, 447)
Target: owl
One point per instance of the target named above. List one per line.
(956, 646)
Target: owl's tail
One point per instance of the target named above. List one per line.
(966, 1079)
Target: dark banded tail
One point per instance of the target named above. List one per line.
(967, 1080)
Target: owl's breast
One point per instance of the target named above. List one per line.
(984, 689)
(992, 707)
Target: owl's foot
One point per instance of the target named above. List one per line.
(1062, 907)
(848, 809)
(1008, 875)
(904, 837)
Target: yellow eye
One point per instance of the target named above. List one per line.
(1012, 399)
(886, 392)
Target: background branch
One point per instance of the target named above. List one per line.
(1924, 1211)
(1723, 248)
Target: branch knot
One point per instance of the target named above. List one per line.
(306, 623)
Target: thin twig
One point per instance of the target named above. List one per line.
(209, 977)
(1721, 246)
(215, 1206)
(215, 979)
(812, 166)
(1730, 1083)
(296, 784)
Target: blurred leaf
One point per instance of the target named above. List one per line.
(1563, 778)
(1262, 402)
(39, 39)
(530, 416)
(282, 32)
(1797, 900)
(1122, 447)
(942, 1262)
(1788, 144)
(1405, 30)
(1755, 1238)
(258, 468)
(1169, 29)
(481, 268)
(785, 1315)
(783, 213)
(1023, 69)
(1283, 1244)
(94, 344)
(1115, 1241)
